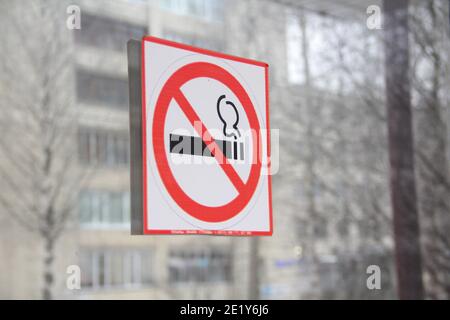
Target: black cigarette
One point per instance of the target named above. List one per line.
(197, 147)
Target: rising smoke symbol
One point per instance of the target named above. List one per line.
(227, 131)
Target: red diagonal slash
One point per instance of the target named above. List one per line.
(212, 145)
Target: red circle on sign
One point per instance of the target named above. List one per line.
(172, 89)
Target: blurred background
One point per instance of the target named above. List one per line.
(361, 101)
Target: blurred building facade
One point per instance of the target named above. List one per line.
(115, 264)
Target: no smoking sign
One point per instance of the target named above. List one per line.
(205, 143)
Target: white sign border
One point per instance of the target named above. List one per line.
(195, 50)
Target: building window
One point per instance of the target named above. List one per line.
(205, 9)
(112, 267)
(199, 266)
(107, 33)
(104, 209)
(99, 89)
(102, 147)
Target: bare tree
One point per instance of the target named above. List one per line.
(337, 149)
(40, 178)
(341, 164)
(401, 151)
(349, 152)
(430, 70)
(428, 74)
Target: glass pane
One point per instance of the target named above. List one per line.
(105, 207)
(116, 207)
(86, 269)
(101, 262)
(85, 207)
(117, 268)
(349, 92)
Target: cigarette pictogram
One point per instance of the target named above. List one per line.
(195, 146)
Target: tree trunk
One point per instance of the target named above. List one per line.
(401, 156)
(49, 257)
(434, 180)
(49, 253)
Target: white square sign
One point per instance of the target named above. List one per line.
(206, 142)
